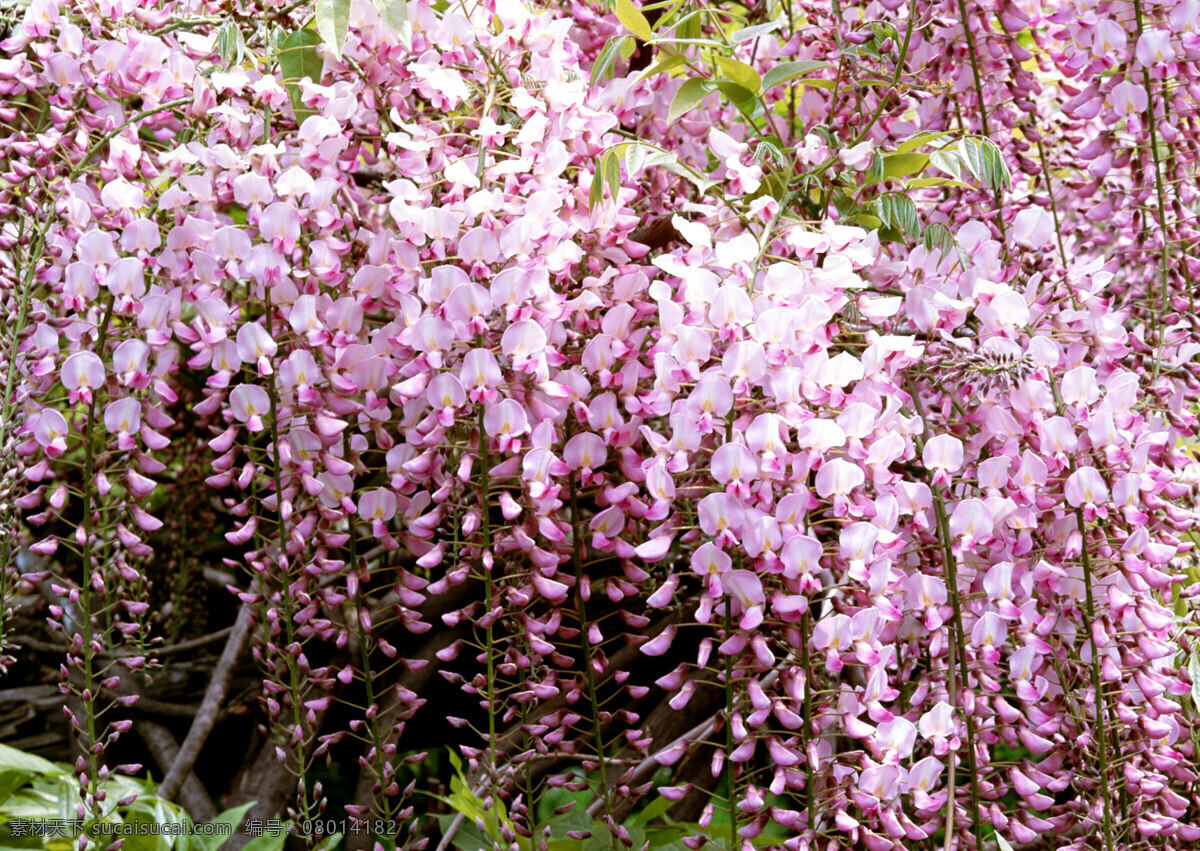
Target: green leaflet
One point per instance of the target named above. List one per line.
(233, 818)
(785, 71)
(946, 160)
(744, 99)
(902, 165)
(394, 14)
(298, 59)
(670, 62)
(898, 212)
(602, 68)
(231, 46)
(268, 842)
(689, 96)
(608, 174)
(633, 20)
(937, 236)
(333, 21)
(981, 157)
(927, 182)
(918, 140)
(756, 31)
(740, 73)
(12, 759)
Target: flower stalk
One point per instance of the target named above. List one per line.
(90, 696)
(295, 696)
(958, 653)
(589, 678)
(1164, 303)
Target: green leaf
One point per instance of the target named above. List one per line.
(669, 838)
(867, 220)
(740, 73)
(937, 237)
(776, 185)
(230, 45)
(633, 20)
(394, 14)
(874, 172)
(756, 31)
(742, 98)
(595, 196)
(10, 782)
(1194, 672)
(652, 811)
(232, 817)
(902, 165)
(688, 97)
(276, 36)
(843, 203)
(769, 150)
(298, 59)
(329, 842)
(883, 31)
(918, 140)
(143, 816)
(268, 842)
(690, 26)
(468, 837)
(667, 63)
(984, 160)
(926, 182)
(12, 759)
(612, 173)
(602, 68)
(333, 20)
(896, 210)
(867, 48)
(785, 71)
(635, 157)
(970, 156)
(637, 836)
(1002, 844)
(672, 164)
(947, 160)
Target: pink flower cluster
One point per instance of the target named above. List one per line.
(922, 509)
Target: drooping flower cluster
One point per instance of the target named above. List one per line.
(840, 414)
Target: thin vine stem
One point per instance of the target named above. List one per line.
(809, 790)
(1097, 680)
(1062, 251)
(1164, 260)
(289, 626)
(731, 797)
(364, 651)
(983, 114)
(959, 650)
(489, 590)
(86, 590)
(586, 642)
